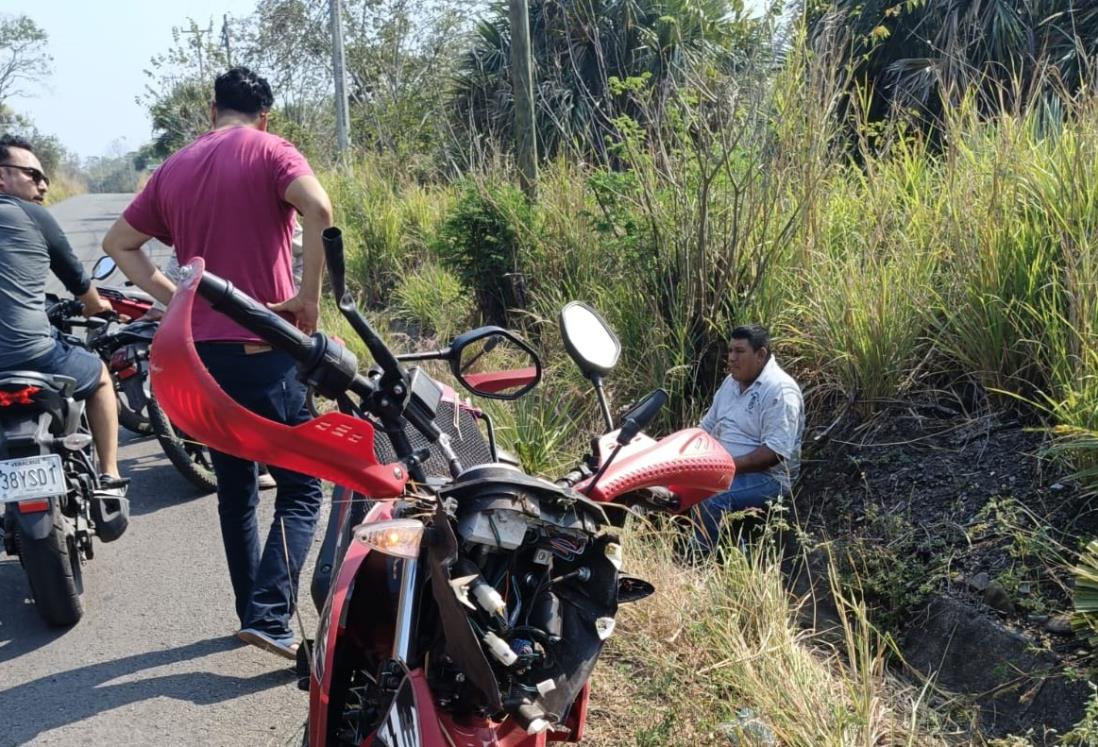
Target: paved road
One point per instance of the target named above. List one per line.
(154, 660)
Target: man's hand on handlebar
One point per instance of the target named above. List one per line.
(94, 304)
(305, 312)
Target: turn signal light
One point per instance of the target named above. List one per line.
(19, 396)
(76, 441)
(399, 537)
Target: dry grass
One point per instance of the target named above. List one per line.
(721, 637)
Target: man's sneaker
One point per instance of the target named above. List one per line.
(284, 646)
(266, 481)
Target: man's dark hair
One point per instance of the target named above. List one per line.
(13, 141)
(755, 334)
(241, 90)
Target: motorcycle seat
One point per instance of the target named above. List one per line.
(58, 383)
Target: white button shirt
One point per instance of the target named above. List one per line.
(770, 412)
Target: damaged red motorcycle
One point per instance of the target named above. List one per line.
(464, 602)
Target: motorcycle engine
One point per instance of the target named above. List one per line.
(535, 576)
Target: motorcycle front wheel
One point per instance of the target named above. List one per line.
(52, 565)
(190, 457)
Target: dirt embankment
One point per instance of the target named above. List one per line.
(961, 536)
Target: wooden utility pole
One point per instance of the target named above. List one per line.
(200, 45)
(522, 84)
(226, 39)
(339, 71)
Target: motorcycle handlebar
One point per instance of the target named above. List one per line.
(254, 317)
(329, 366)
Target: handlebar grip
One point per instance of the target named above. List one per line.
(255, 317)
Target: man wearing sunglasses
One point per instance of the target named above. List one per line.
(31, 244)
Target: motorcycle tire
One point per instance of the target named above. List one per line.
(191, 459)
(52, 565)
(133, 421)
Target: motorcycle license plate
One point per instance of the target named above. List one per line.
(31, 477)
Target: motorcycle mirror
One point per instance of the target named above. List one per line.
(491, 362)
(640, 415)
(103, 268)
(588, 339)
(633, 589)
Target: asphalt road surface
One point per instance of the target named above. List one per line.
(154, 660)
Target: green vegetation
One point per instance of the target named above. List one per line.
(890, 260)
(905, 192)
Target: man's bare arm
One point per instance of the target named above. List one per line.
(758, 460)
(123, 243)
(309, 198)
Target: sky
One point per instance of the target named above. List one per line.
(100, 49)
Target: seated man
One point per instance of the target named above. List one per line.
(30, 243)
(758, 416)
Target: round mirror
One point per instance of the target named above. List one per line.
(492, 363)
(103, 268)
(588, 338)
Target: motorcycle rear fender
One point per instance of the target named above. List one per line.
(334, 446)
(690, 462)
(37, 525)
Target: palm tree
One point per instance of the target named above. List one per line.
(916, 56)
(579, 47)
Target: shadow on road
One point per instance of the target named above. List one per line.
(16, 614)
(154, 482)
(64, 698)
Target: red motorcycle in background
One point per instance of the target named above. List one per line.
(466, 602)
(124, 347)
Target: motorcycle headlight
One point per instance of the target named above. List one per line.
(399, 537)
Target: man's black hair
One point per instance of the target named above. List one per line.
(241, 90)
(755, 334)
(13, 141)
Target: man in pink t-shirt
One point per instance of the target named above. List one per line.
(229, 197)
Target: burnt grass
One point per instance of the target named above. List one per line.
(924, 506)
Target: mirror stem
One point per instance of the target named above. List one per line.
(602, 470)
(604, 405)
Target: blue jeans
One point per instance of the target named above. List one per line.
(748, 490)
(264, 583)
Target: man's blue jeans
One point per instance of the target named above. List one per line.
(748, 490)
(264, 583)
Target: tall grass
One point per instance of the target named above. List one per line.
(882, 272)
(720, 641)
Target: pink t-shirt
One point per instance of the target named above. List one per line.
(222, 198)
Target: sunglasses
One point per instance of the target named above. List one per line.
(33, 173)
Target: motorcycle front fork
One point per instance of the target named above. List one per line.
(403, 635)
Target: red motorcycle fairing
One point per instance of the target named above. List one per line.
(334, 446)
(413, 721)
(129, 304)
(690, 463)
(424, 725)
(498, 381)
(332, 619)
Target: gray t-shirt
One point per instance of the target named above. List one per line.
(770, 412)
(31, 244)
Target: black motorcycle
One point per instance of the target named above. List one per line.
(53, 503)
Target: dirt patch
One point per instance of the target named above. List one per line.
(934, 511)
